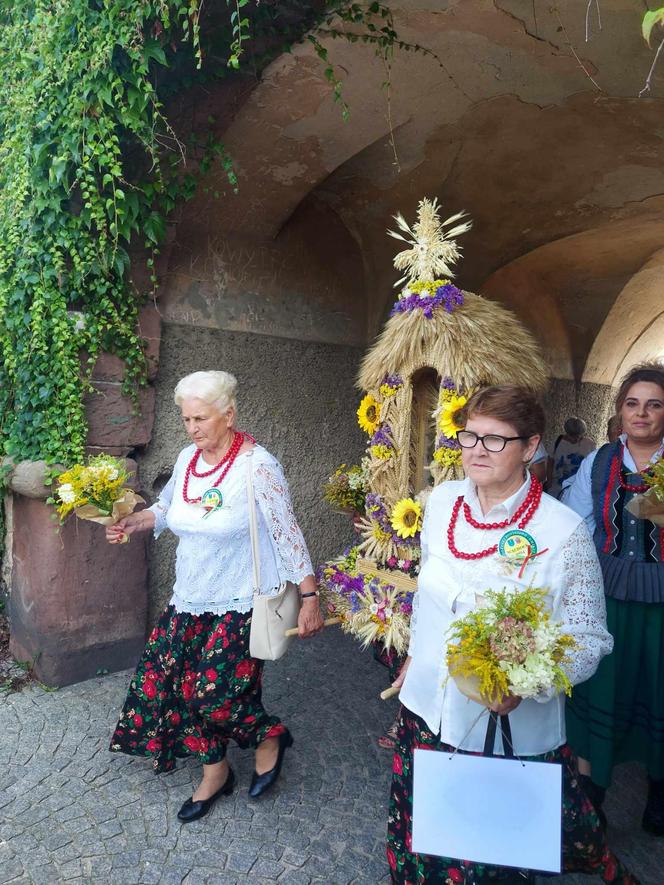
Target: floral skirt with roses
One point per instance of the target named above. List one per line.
(195, 688)
(584, 844)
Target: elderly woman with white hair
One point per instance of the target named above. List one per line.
(197, 686)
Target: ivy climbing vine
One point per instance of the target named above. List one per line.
(90, 169)
(78, 105)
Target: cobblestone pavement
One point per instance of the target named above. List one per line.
(71, 811)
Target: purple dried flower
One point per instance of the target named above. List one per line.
(446, 442)
(382, 437)
(450, 295)
(447, 296)
(375, 507)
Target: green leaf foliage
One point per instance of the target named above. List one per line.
(90, 167)
(650, 20)
(77, 99)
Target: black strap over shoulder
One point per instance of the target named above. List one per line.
(490, 739)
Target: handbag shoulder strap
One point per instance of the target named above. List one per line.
(253, 526)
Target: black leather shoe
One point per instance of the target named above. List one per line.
(653, 816)
(193, 810)
(262, 782)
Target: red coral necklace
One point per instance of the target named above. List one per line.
(522, 517)
(226, 462)
(616, 469)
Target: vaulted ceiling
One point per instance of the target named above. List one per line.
(537, 133)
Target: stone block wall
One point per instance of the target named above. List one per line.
(77, 605)
(592, 402)
(115, 425)
(297, 398)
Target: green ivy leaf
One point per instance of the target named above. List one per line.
(650, 20)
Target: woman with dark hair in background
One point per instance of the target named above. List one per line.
(618, 716)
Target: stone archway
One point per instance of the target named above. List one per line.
(595, 302)
(634, 327)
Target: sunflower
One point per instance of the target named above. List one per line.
(368, 414)
(447, 423)
(406, 518)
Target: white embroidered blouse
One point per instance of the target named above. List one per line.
(213, 567)
(448, 588)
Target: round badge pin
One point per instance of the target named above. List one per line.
(517, 544)
(212, 499)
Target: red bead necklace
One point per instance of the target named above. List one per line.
(522, 517)
(226, 462)
(616, 468)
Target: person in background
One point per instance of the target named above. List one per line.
(537, 465)
(618, 715)
(568, 452)
(613, 428)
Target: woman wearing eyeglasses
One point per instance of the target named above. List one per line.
(496, 530)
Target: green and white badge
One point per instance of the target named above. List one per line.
(517, 544)
(212, 500)
(517, 549)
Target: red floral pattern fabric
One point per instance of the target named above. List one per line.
(195, 688)
(584, 845)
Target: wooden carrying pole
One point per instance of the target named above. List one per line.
(328, 622)
(389, 692)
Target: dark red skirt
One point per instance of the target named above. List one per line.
(584, 844)
(195, 688)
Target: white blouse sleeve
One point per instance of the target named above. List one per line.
(583, 610)
(161, 506)
(274, 501)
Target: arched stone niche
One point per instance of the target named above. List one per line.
(634, 327)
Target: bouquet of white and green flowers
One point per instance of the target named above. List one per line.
(510, 646)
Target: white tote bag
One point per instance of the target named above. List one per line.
(488, 809)
(272, 615)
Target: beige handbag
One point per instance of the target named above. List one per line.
(272, 615)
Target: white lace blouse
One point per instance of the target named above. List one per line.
(448, 588)
(213, 567)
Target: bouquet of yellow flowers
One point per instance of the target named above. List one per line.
(96, 491)
(650, 505)
(509, 646)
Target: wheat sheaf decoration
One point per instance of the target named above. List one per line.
(434, 323)
(439, 345)
(433, 250)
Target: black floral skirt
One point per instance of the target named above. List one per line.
(195, 688)
(584, 844)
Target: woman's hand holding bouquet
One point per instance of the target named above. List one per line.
(509, 649)
(650, 504)
(98, 491)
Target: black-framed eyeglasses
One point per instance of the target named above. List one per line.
(491, 441)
